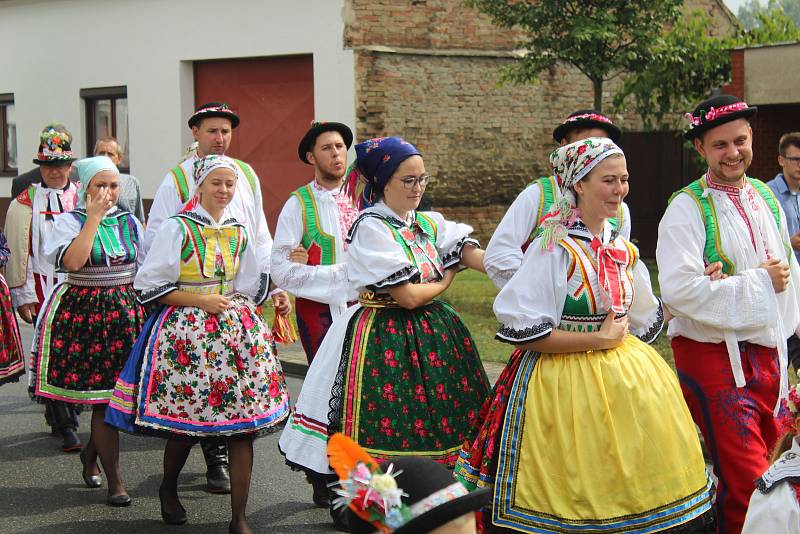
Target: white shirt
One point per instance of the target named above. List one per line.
(743, 307)
(504, 252)
(776, 512)
(321, 283)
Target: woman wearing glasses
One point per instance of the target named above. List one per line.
(399, 373)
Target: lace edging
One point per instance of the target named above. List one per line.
(157, 292)
(531, 333)
(407, 274)
(454, 255)
(263, 287)
(655, 328)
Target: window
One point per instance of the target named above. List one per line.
(107, 115)
(8, 136)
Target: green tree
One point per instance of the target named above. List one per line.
(749, 12)
(603, 39)
(773, 25)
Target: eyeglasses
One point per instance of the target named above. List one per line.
(793, 159)
(410, 181)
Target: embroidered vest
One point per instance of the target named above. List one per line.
(182, 182)
(581, 313)
(122, 224)
(194, 276)
(313, 234)
(549, 188)
(422, 254)
(712, 252)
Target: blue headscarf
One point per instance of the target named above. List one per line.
(376, 161)
(87, 169)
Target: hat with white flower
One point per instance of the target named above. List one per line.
(403, 496)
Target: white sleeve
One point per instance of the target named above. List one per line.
(140, 232)
(775, 512)
(625, 229)
(746, 300)
(66, 228)
(451, 237)
(250, 280)
(26, 293)
(504, 251)
(263, 241)
(529, 306)
(646, 315)
(375, 260)
(165, 204)
(161, 269)
(321, 283)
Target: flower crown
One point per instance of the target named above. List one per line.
(55, 144)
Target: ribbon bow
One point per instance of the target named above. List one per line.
(109, 241)
(610, 262)
(218, 238)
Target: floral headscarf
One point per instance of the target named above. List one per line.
(208, 164)
(571, 163)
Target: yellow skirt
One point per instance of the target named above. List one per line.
(599, 441)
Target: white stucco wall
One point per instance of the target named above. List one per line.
(770, 76)
(53, 48)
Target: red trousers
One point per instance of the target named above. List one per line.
(313, 321)
(737, 423)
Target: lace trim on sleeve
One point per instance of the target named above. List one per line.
(263, 289)
(407, 274)
(453, 256)
(157, 292)
(531, 333)
(651, 333)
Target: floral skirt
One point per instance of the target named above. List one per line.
(83, 337)
(599, 442)
(196, 373)
(12, 357)
(398, 382)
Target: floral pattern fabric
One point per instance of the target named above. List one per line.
(198, 373)
(412, 384)
(12, 364)
(83, 341)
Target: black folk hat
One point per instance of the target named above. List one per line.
(715, 111)
(433, 495)
(587, 118)
(317, 128)
(213, 109)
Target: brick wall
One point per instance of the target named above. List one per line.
(428, 70)
(736, 85)
(483, 219)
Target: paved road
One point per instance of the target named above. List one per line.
(41, 490)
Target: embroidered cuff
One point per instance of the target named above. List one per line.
(655, 328)
(157, 292)
(517, 337)
(60, 258)
(453, 256)
(406, 274)
(263, 288)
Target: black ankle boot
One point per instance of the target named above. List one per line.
(64, 417)
(215, 451)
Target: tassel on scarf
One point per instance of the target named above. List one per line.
(554, 223)
(354, 185)
(283, 330)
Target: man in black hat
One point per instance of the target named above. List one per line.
(309, 251)
(520, 223)
(729, 334)
(30, 274)
(212, 126)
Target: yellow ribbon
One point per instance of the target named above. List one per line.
(219, 237)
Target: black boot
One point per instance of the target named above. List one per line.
(215, 451)
(65, 420)
(321, 494)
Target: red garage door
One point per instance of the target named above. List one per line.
(274, 97)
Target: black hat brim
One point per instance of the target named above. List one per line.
(613, 131)
(699, 130)
(308, 140)
(195, 119)
(444, 513)
(53, 162)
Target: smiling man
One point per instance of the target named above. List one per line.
(729, 334)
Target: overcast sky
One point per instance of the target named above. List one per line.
(733, 5)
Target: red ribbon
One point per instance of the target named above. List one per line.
(610, 264)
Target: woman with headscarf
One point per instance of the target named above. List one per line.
(586, 428)
(205, 363)
(398, 373)
(90, 322)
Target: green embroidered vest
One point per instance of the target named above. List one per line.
(417, 253)
(712, 251)
(313, 234)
